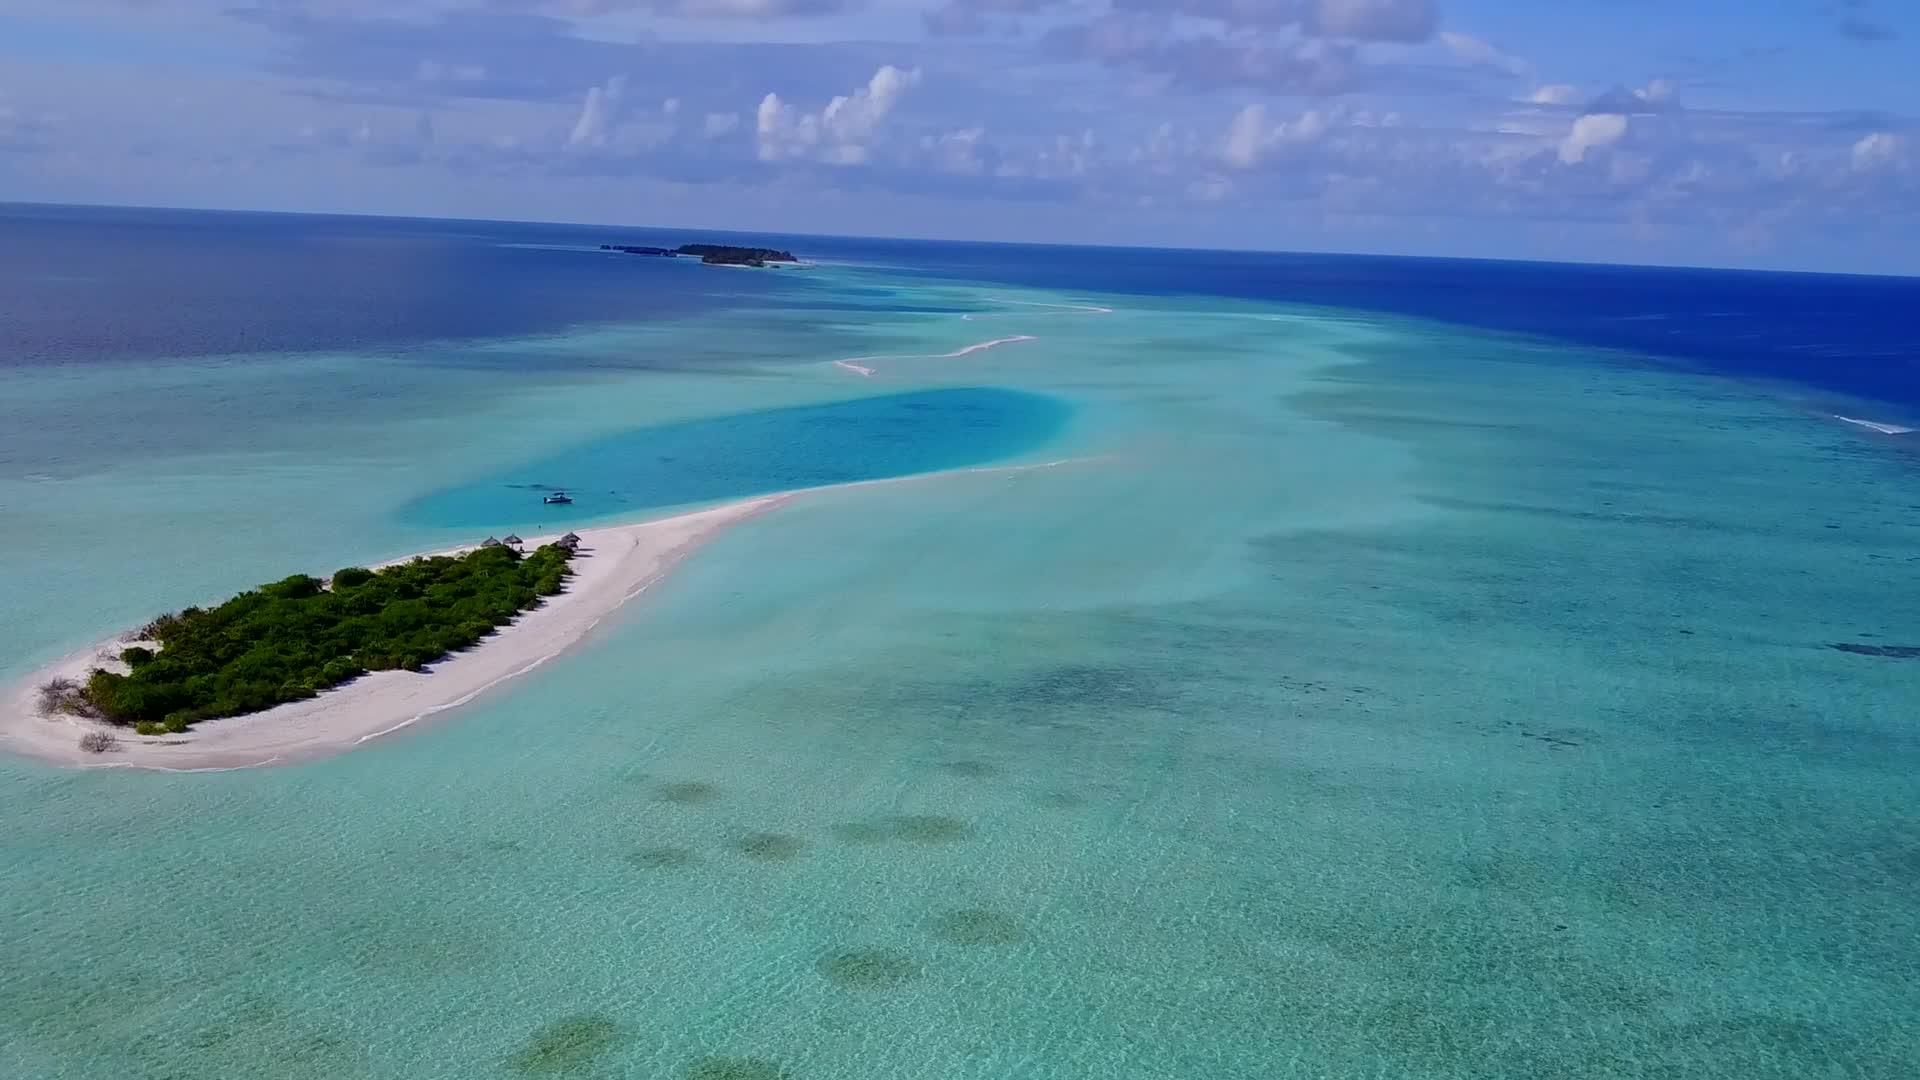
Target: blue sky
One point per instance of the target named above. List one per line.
(1777, 133)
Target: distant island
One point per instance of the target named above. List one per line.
(289, 640)
(711, 254)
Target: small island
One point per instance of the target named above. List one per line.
(711, 254)
(296, 637)
(202, 681)
(633, 249)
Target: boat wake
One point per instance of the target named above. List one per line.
(859, 364)
(1874, 425)
(854, 364)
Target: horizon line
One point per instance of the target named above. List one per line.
(362, 215)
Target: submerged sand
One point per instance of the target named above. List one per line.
(613, 566)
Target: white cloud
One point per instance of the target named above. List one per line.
(1591, 132)
(670, 107)
(838, 134)
(956, 151)
(1656, 93)
(1878, 151)
(856, 115)
(598, 113)
(719, 124)
(1250, 139)
(1472, 50)
(1554, 94)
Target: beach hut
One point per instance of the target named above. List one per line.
(569, 541)
(512, 540)
(491, 541)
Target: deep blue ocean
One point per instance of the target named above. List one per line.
(84, 284)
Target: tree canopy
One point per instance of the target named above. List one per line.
(296, 637)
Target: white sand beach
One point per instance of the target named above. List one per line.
(613, 566)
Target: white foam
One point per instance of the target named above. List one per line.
(854, 365)
(1875, 425)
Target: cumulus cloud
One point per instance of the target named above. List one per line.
(1594, 131)
(598, 113)
(838, 134)
(1554, 94)
(1250, 138)
(1879, 151)
(956, 152)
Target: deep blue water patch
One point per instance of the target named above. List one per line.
(1842, 334)
(727, 457)
(88, 284)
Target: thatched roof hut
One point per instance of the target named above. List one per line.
(491, 541)
(513, 540)
(569, 541)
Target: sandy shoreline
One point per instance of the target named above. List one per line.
(615, 564)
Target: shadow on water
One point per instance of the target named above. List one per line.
(727, 457)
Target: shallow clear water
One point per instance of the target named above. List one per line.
(742, 454)
(1355, 697)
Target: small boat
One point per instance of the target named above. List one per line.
(557, 498)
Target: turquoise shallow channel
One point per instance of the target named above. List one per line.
(1348, 696)
(783, 449)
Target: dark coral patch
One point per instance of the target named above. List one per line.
(908, 828)
(775, 847)
(978, 926)
(565, 1045)
(663, 858)
(1891, 652)
(689, 793)
(972, 770)
(869, 969)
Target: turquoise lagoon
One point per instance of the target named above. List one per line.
(1348, 696)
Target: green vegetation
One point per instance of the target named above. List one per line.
(728, 255)
(296, 637)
